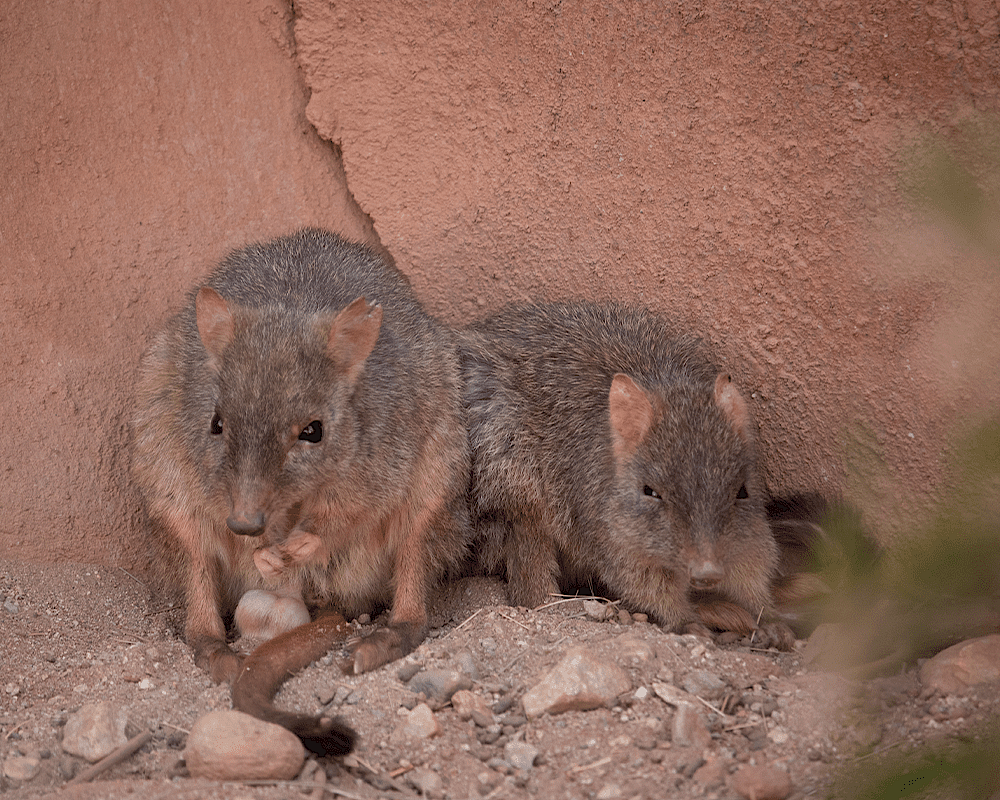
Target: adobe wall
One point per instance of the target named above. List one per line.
(736, 167)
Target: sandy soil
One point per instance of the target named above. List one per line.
(75, 634)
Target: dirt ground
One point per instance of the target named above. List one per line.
(75, 634)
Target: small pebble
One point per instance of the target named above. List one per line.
(500, 765)
(417, 724)
(520, 755)
(21, 768)
(439, 684)
(503, 704)
(426, 781)
(596, 610)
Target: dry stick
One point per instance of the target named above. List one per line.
(177, 728)
(13, 730)
(599, 763)
(116, 756)
(572, 598)
(754, 631)
(879, 751)
(513, 661)
(467, 621)
(705, 702)
(133, 577)
(511, 619)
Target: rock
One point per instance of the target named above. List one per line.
(406, 672)
(706, 685)
(426, 781)
(95, 730)
(417, 724)
(610, 791)
(466, 663)
(231, 745)
(711, 774)
(596, 610)
(633, 651)
(325, 694)
(670, 694)
(963, 665)
(438, 685)
(578, 682)
(762, 783)
(520, 755)
(21, 768)
(689, 728)
(778, 735)
(341, 694)
(469, 705)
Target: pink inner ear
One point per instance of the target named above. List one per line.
(732, 404)
(631, 414)
(353, 335)
(215, 320)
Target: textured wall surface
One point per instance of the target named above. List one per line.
(733, 165)
(140, 142)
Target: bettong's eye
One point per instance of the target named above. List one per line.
(649, 491)
(313, 432)
(742, 494)
(216, 427)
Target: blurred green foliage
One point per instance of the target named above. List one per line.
(940, 584)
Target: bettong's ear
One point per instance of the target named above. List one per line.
(353, 335)
(733, 406)
(215, 320)
(631, 413)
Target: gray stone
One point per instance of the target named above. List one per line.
(438, 685)
(231, 745)
(580, 681)
(95, 730)
(520, 755)
(467, 663)
(706, 685)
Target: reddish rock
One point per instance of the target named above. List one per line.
(233, 746)
(762, 783)
(963, 665)
(578, 682)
